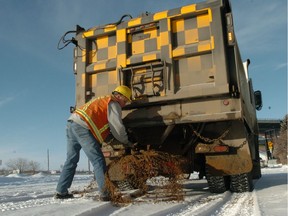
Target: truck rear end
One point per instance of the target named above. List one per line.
(191, 92)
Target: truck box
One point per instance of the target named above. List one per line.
(191, 91)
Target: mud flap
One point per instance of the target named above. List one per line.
(233, 164)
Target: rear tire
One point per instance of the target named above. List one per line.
(217, 184)
(241, 183)
(256, 170)
(124, 185)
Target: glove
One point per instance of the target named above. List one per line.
(131, 147)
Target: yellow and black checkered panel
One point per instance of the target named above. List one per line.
(198, 70)
(192, 34)
(189, 30)
(102, 83)
(143, 43)
(180, 37)
(103, 48)
(150, 38)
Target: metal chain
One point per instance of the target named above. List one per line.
(240, 146)
(206, 139)
(220, 138)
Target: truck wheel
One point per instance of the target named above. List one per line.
(241, 183)
(186, 175)
(256, 170)
(217, 184)
(124, 185)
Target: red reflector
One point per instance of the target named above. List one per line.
(220, 148)
(226, 102)
(107, 154)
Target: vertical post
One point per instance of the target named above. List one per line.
(48, 160)
(88, 166)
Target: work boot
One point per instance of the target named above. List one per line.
(63, 196)
(105, 198)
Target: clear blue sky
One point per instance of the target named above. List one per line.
(37, 81)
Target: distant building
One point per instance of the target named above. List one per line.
(53, 172)
(17, 171)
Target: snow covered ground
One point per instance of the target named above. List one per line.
(33, 195)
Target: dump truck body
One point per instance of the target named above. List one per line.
(192, 95)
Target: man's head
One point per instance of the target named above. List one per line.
(122, 94)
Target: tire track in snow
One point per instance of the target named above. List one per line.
(232, 204)
(105, 209)
(241, 204)
(205, 205)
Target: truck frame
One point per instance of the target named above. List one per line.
(192, 95)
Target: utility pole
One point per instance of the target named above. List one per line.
(48, 159)
(88, 166)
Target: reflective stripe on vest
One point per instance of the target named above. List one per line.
(94, 113)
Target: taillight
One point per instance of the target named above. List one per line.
(220, 148)
(210, 148)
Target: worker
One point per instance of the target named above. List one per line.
(87, 128)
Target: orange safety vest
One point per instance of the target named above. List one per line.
(94, 113)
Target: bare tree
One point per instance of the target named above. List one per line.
(34, 166)
(23, 165)
(280, 147)
(20, 164)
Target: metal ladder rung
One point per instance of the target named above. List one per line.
(151, 71)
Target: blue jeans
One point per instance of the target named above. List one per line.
(79, 137)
